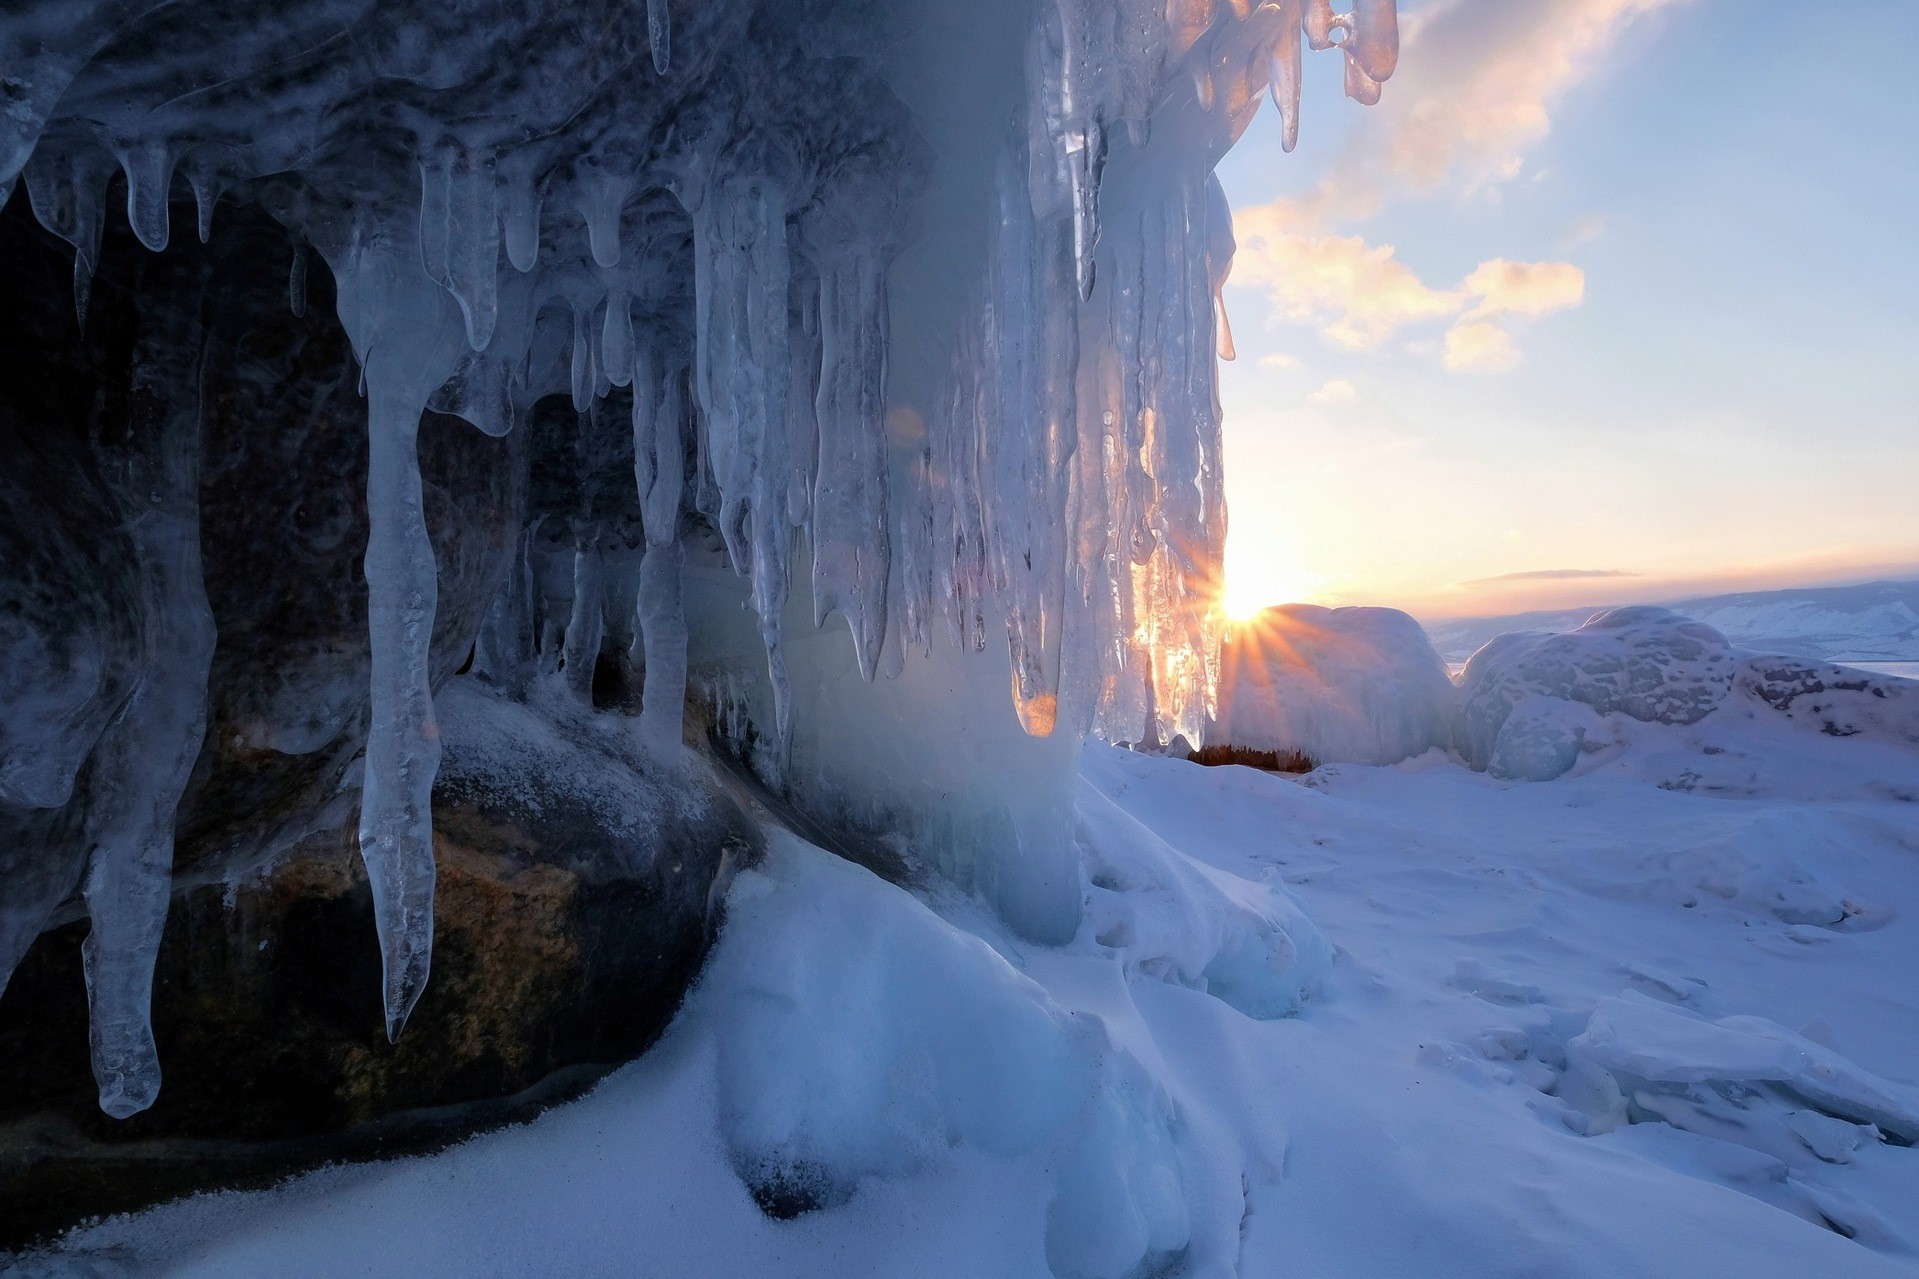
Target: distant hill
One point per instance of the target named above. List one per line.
(1871, 622)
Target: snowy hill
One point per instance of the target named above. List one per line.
(1871, 622)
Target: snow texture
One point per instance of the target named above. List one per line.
(1872, 622)
(1340, 685)
(696, 210)
(1645, 663)
(1534, 1052)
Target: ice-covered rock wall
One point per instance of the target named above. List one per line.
(920, 298)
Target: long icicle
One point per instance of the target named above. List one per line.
(146, 755)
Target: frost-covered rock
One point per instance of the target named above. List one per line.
(1646, 663)
(1542, 738)
(578, 893)
(1331, 685)
(1839, 701)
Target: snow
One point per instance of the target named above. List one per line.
(1655, 1017)
(1870, 623)
(1516, 716)
(1335, 685)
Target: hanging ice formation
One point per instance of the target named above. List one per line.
(694, 209)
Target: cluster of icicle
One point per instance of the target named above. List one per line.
(515, 204)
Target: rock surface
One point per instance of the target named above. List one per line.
(1647, 663)
(578, 889)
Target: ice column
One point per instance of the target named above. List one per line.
(850, 532)
(142, 763)
(408, 334)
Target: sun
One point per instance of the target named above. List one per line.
(1252, 588)
(1250, 594)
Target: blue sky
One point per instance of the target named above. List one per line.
(1607, 300)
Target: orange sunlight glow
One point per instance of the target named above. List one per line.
(1272, 577)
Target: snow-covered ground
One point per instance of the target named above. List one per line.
(1656, 1018)
(1870, 623)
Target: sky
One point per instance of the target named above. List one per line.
(1607, 301)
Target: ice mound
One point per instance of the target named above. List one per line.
(1643, 1042)
(868, 1046)
(1739, 1101)
(1647, 663)
(1170, 917)
(1334, 685)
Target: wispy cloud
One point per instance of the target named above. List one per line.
(1475, 92)
(1550, 575)
(1359, 295)
(1479, 346)
(1337, 391)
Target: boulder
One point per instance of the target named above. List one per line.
(578, 888)
(1647, 663)
(1310, 685)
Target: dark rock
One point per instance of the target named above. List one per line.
(578, 887)
(1839, 701)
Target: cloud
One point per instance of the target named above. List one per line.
(1475, 90)
(1549, 575)
(1356, 293)
(1479, 346)
(1337, 391)
(1279, 360)
(1359, 294)
(1524, 288)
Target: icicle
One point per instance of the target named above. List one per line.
(505, 644)
(67, 193)
(659, 34)
(644, 377)
(602, 199)
(409, 336)
(149, 169)
(663, 635)
(616, 339)
(802, 415)
(480, 391)
(521, 215)
(403, 744)
(297, 287)
(1319, 22)
(435, 170)
(1375, 42)
(1360, 87)
(1286, 75)
(661, 503)
(473, 245)
(582, 362)
(141, 766)
(742, 269)
(587, 626)
(851, 550)
(208, 184)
